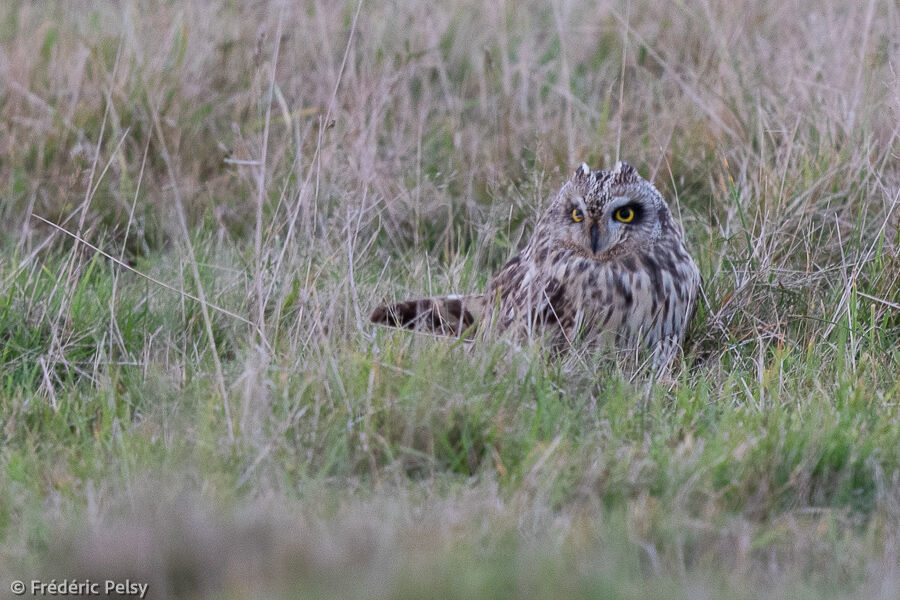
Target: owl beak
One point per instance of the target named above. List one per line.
(595, 238)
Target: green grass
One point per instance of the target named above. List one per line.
(210, 411)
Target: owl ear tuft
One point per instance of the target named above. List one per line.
(623, 170)
(583, 170)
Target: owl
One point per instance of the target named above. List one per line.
(606, 265)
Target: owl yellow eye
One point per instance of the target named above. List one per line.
(625, 215)
(577, 215)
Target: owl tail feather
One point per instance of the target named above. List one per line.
(442, 315)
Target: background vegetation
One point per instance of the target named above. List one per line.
(191, 394)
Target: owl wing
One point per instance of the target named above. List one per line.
(524, 297)
(441, 315)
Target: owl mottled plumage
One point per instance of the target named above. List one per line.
(606, 264)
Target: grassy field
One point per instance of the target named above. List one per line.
(201, 202)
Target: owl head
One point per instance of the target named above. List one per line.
(602, 214)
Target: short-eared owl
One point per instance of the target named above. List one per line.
(606, 264)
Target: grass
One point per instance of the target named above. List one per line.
(191, 394)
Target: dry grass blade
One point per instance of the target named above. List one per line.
(149, 278)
